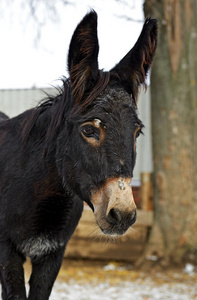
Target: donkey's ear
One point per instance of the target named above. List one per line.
(83, 56)
(133, 68)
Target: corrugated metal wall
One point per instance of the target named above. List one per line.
(13, 102)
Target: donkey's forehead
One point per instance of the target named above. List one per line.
(116, 96)
(112, 101)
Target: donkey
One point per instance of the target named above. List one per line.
(77, 146)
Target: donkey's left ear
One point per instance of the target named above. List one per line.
(83, 56)
(133, 68)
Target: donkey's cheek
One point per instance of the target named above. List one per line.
(114, 206)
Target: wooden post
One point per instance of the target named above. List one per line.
(146, 191)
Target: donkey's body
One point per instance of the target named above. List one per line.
(78, 146)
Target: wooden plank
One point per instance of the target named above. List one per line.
(144, 218)
(83, 248)
(89, 242)
(146, 191)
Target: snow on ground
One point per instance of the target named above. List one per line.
(125, 290)
(114, 281)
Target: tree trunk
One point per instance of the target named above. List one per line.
(174, 127)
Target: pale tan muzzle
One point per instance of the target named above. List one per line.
(114, 206)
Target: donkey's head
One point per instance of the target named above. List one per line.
(103, 127)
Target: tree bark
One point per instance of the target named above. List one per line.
(174, 128)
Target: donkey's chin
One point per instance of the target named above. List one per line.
(113, 232)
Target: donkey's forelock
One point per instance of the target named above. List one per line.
(102, 82)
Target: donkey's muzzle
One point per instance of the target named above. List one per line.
(120, 221)
(114, 206)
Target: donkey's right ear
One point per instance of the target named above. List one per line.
(134, 66)
(83, 56)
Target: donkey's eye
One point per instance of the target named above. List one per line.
(90, 132)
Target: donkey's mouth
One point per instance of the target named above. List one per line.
(113, 231)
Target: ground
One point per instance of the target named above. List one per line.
(96, 280)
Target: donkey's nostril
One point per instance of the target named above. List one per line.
(114, 216)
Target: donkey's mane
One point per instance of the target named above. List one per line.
(53, 102)
(61, 106)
